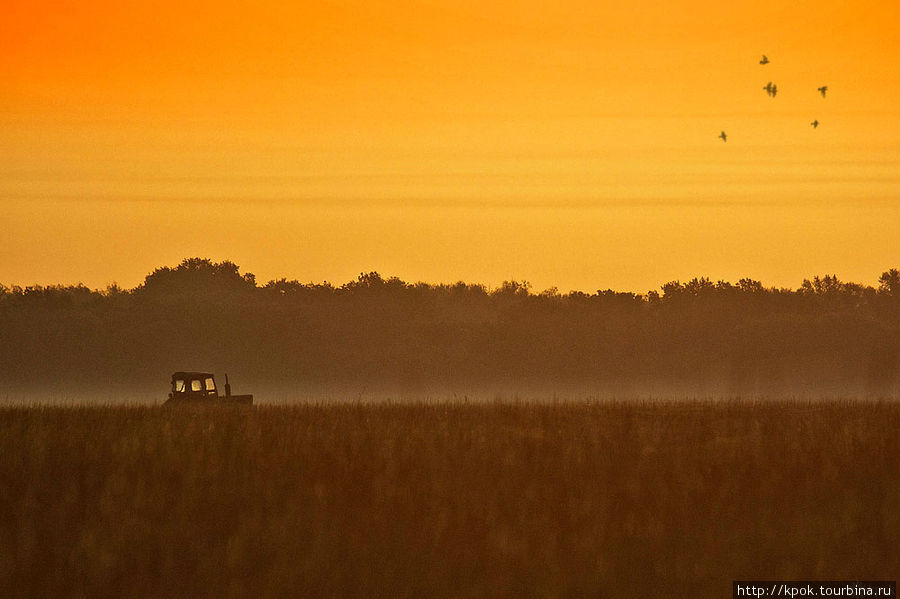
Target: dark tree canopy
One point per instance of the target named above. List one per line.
(697, 335)
(197, 276)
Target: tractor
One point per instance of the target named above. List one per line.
(199, 388)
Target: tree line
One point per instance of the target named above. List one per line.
(695, 336)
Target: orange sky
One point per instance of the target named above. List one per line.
(566, 143)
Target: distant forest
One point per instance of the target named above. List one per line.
(698, 336)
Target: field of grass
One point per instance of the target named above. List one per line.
(446, 500)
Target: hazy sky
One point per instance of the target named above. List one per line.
(566, 143)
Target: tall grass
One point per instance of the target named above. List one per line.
(446, 500)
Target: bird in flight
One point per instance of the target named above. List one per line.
(815, 123)
(765, 60)
(771, 89)
(723, 137)
(823, 89)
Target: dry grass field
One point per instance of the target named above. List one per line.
(446, 500)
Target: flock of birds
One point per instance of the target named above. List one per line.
(771, 90)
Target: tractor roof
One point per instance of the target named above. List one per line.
(191, 375)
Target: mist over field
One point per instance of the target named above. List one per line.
(379, 338)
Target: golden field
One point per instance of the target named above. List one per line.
(446, 499)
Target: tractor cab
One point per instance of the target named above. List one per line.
(195, 385)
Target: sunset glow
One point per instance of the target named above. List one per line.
(571, 144)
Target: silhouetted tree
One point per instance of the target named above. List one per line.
(889, 282)
(197, 276)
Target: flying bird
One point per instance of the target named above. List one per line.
(771, 89)
(815, 123)
(765, 60)
(823, 89)
(723, 137)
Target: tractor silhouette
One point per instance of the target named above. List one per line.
(200, 388)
